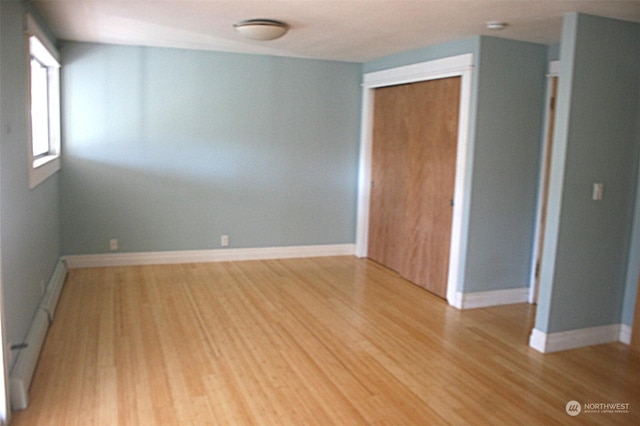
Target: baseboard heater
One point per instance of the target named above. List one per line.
(28, 351)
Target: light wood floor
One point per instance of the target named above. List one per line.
(325, 341)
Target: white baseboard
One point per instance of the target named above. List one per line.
(538, 340)
(198, 256)
(572, 339)
(484, 299)
(625, 334)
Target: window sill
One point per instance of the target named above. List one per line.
(42, 168)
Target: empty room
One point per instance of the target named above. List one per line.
(302, 212)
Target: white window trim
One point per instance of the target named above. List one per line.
(40, 168)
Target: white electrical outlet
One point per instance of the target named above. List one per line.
(113, 244)
(598, 191)
(224, 240)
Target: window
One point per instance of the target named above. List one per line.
(44, 106)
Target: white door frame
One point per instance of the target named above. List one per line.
(554, 67)
(455, 66)
(5, 408)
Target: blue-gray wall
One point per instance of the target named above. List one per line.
(504, 144)
(586, 251)
(633, 267)
(553, 52)
(511, 82)
(29, 225)
(168, 149)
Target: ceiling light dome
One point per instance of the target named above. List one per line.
(496, 25)
(261, 29)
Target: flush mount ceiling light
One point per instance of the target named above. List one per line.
(261, 29)
(496, 25)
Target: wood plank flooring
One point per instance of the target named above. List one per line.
(327, 341)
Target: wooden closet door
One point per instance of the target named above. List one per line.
(413, 170)
(388, 177)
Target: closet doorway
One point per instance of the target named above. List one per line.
(543, 183)
(415, 133)
(455, 71)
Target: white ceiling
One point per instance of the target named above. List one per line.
(344, 30)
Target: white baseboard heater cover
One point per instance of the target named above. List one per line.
(54, 289)
(27, 357)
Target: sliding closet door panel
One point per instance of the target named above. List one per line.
(433, 136)
(390, 133)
